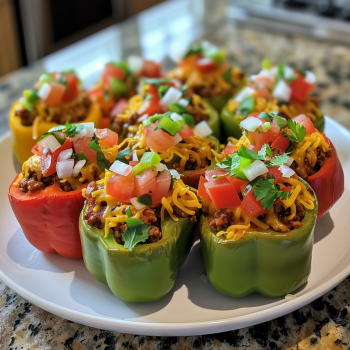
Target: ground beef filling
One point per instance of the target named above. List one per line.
(197, 115)
(150, 216)
(208, 91)
(120, 125)
(191, 163)
(306, 170)
(223, 218)
(76, 110)
(32, 184)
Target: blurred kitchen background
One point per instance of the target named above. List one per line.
(32, 29)
(54, 35)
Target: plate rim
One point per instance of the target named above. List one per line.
(188, 328)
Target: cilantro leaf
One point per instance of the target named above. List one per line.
(247, 153)
(227, 76)
(57, 128)
(268, 150)
(162, 89)
(122, 154)
(133, 222)
(279, 160)
(128, 212)
(285, 195)
(135, 234)
(265, 116)
(299, 131)
(247, 106)
(282, 123)
(266, 192)
(102, 162)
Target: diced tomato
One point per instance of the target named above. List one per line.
(281, 143)
(158, 140)
(82, 145)
(287, 188)
(251, 207)
(186, 132)
(151, 69)
(145, 183)
(163, 186)
(264, 92)
(205, 65)
(275, 173)
(202, 190)
(229, 149)
(274, 132)
(96, 93)
(56, 93)
(72, 87)
(260, 140)
(222, 193)
(108, 136)
(119, 107)
(38, 148)
(67, 144)
(255, 115)
(302, 119)
(151, 106)
(121, 187)
(300, 89)
(111, 71)
(238, 183)
(134, 162)
(189, 61)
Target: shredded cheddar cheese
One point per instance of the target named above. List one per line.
(33, 163)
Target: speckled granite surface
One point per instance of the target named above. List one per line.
(324, 324)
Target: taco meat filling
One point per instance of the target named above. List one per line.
(76, 110)
(150, 216)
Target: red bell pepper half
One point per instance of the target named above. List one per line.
(49, 218)
(328, 182)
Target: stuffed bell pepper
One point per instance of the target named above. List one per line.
(204, 70)
(56, 98)
(46, 197)
(159, 96)
(258, 224)
(275, 89)
(184, 152)
(311, 154)
(137, 228)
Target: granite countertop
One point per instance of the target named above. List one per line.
(324, 324)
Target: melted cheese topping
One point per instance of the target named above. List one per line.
(33, 164)
(134, 105)
(195, 146)
(88, 172)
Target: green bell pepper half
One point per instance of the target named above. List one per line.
(231, 123)
(148, 272)
(264, 261)
(214, 120)
(217, 102)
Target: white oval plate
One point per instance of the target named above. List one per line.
(65, 288)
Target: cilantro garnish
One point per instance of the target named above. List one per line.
(279, 160)
(267, 192)
(247, 106)
(227, 76)
(162, 89)
(68, 129)
(269, 117)
(122, 154)
(102, 162)
(128, 212)
(136, 232)
(247, 153)
(298, 132)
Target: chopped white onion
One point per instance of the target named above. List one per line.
(286, 171)
(44, 91)
(282, 91)
(288, 72)
(175, 117)
(90, 128)
(120, 168)
(161, 167)
(251, 123)
(136, 204)
(47, 162)
(81, 134)
(289, 161)
(144, 107)
(102, 133)
(177, 83)
(255, 169)
(135, 158)
(174, 174)
(202, 129)
(46, 149)
(310, 77)
(183, 102)
(52, 143)
(244, 93)
(229, 143)
(177, 138)
(171, 96)
(65, 168)
(65, 155)
(135, 63)
(78, 167)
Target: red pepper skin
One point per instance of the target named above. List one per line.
(328, 182)
(49, 218)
